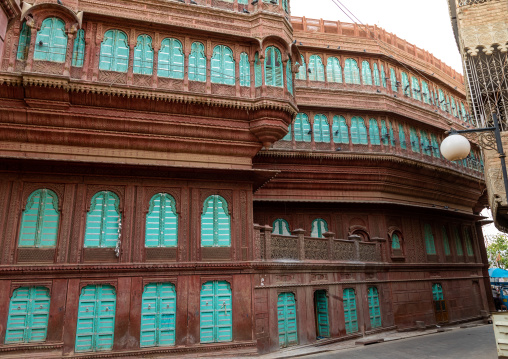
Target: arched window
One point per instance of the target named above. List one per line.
(366, 73)
(429, 240)
(103, 221)
(302, 71)
(273, 67)
(426, 147)
(288, 135)
(321, 129)
(78, 50)
(374, 132)
(448, 104)
(435, 146)
(392, 135)
(223, 66)
(442, 101)
(340, 130)
(415, 86)
(197, 62)
(161, 229)
(143, 56)
(158, 315)
(285, 6)
(351, 72)
(458, 242)
(216, 312)
(316, 68)
(374, 307)
(319, 226)
(27, 321)
(257, 70)
(402, 137)
(39, 221)
(302, 128)
(25, 37)
(446, 241)
(384, 133)
(114, 52)
(396, 241)
(454, 109)
(376, 74)
(51, 41)
(415, 141)
(281, 227)
(289, 77)
(350, 314)
(464, 117)
(393, 80)
(333, 70)
(469, 244)
(286, 318)
(405, 84)
(437, 292)
(215, 223)
(426, 93)
(244, 69)
(358, 131)
(171, 59)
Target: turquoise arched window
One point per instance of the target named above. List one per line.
(384, 133)
(383, 76)
(454, 109)
(158, 315)
(302, 71)
(288, 135)
(289, 77)
(415, 141)
(161, 229)
(393, 80)
(340, 130)
(51, 41)
(435, 146)
(143, 56)
(376, 74)
(448, 104)
(78, 49)
(392, 135)
(281, 227)
(103, 221)
(197, 62)
(333, 70)
(257, 70)
(302, 128)
(25, 37)
(351, 72)
(215, 223)
(319, 226)
(216, 312)
(39, 221)
(458, 241)
(429, 240)
(358, 131)
(402, 137)
(405, 84)
(442, 101)
(321, 129)
(426, 93)
(316, 68)
(395, 241)
(27, 321)
(223, 66)
(415, 86)
(426, 148)
(446, 241)
(374, 132)
(244, 69)
(366, 73)
(171, 59)
(114, 52)
(273, 67)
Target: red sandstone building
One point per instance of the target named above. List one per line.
(182, 176)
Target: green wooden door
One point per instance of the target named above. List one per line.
(322, 324)
(216, 312)
(350, 315)
(374, 308)
(158, 311)
(440, 309)
(286, 313)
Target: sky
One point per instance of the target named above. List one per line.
(425, 24)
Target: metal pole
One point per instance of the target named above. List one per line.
(502, 155)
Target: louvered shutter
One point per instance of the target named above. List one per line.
(257, 70)
(229, 66)
(278, 68)
(207, 223)
(298, 128)
(348, 72)
(395, 241)
(350, 315)
(197, 63)
(49, 218)
(469, 244)
(216, 315)
(429, 240)
(458, 242)
(437, 292)
(25, 36)
(121, 52)
(158, 311)
(78, 51)
(402, 137)
(374, 308)
(215, 223)
(105, 317)
(207, 313)
(85, 330)
(39, 223)
(362, 129)
(383, 76)
(106, 57)
(223, 223)
(306, 129)
(103, 221)
(224, 310)
(366, 73)
(167, 312)
(286, 317)
(392, 135)
(393, 80)
(143, 56)
(302, 71)
(319, 226)
(244, 70)
(321, 129)
(374, 132)
(355, 131)
(149, 316)
(161, 222)
(289, 77)
(333, 70)
(43, 35)
(58, 44)
(176, 60)
(323, 328)
(269, 64)
(384, 133)
(376, 75)
(317, 69)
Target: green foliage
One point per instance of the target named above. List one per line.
(497, 250)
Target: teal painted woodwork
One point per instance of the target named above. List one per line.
(402, 137)
(351, 72)
(426, 93)
(374, 132)
(143, 56)
(39, 221)
(319, 226)
(405, 84)
(158, 315)
(258, 78)
(281, 227)
(51, 41)
(446, 241)
(27, 320)
(302, 71)
(273, 67)
(385, 136)
(285, 6)
(393, 80)
(286, 316)
(426, 148)
(243, 2)
(316, 68)
(289, 77)
(350, 315)
(171, 59)
(161, 229)
(383, 76)
(469, 244)
(244, 70)
(322, 322)
(448, 104)
(415, 87)
(374, 307)
(321, 129)
(215, 223)
(216, 313)
(415, 140)
(358, 131)
(437, 292)
(454, 108)
(366, 73)
(442, 100)
(302, 128)
(340, 130)
(114, 52)
(197, 62)
(103, 221)
(395, 241)
(458, 241)
(223, 66)
(435, 146)
(463, 110)
(392, 135)
(96, 318)
(78, 49)
(333, 70)
(288, 135)
(25, 37)
(375, 71)
(429, 240)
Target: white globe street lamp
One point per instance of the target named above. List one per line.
(455, 147)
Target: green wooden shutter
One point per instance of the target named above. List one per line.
(351, 72)
(223, 66)
(415, 87)
(103, 221)
(395, 241)
(316, 68)
(215, 223)
(158, 315)
(435, 146)
(288, 135)
(374, 308)
(257, 71)
(244, 69)
(273, 67)
(39, 222)
(106, 56)
(281, 227)
(458, 242)
(376, 75)
(340, 130)
(78, 50)
(402, 137)
(425, 92)
(405, 84)
(302, 71)
(442, 100)
(54, 41)
(285, 6)
(286, 316)
(374, 132)
(454, 109)
(333, 70)
(25, 36)
(350, 315)
(425, 143)
(355, 131)
(302, 128)
(429, 240)
(469, 244)
(216, 313)
(321, 129)
(27, 321)
(437, 292)
(143, 56)
(392, 135)
(161, 228)
(171, 59)
(197, 62)
(393, 80)
(446, 241)
(96, 318)
(229, 66)
(114, 52)
(289, 77)
(319, 226)
(415, 141)
(366, 73)
(323, 326)
(384, 133)
(383, 76)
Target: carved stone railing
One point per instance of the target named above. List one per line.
(471, 2)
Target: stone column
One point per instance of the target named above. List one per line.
(300, 233)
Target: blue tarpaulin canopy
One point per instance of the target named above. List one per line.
(498, 273)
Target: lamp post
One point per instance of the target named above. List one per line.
(456, 147)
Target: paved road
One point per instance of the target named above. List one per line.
(470, 343)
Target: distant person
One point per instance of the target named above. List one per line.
(497, 299)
